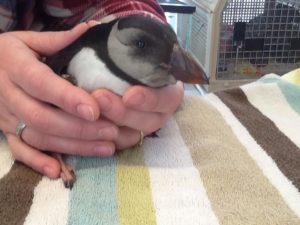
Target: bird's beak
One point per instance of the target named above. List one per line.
(185, 68)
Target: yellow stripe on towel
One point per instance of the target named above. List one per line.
(293, 76)
(135, 204)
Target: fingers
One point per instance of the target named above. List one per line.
(66, 145)
(43, 141)
(92, 23)
(6, 118)
(47, 165)
(38, 80)
(23, 149)
(163, 100)
(141, 108)
(55, 40)
(51, 120)
(113, 108)
(127, 138)
(33, 158)
(24, 70)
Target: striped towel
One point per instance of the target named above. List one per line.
(231, 157)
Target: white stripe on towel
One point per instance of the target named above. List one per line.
(178, 193)
(50, 203)
(269, 168)
(6, 158)
(277, 108)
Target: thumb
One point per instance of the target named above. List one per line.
(47, 43)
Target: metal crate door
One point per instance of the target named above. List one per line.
(258, 37)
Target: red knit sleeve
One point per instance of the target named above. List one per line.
(72, 12)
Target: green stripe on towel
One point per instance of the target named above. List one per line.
(290, 91)
(93, 199)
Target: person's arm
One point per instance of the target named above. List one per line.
(7, 15)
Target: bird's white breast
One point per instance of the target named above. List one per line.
(91, 73)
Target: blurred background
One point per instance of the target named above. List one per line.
(238, 41)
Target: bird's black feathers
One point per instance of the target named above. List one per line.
(59, 61)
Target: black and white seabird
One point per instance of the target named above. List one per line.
(134, 50)
(127, 51)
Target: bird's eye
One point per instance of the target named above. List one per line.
(140, 44)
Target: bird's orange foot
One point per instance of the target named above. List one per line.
(67, 173)
(68, 176)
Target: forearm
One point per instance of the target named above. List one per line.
(64, 14)
(7, 15)
(73, 13)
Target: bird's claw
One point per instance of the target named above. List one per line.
(68, 176)
(67, 172)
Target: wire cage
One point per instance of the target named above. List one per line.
(237, 41)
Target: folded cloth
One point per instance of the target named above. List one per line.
(230, 157)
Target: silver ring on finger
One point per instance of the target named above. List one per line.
(19, 129)
(140, 143)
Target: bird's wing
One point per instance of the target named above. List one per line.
(59, 61)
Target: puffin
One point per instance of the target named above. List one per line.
(131, 50)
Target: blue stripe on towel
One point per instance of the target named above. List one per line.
(291, 93)
(93, 198)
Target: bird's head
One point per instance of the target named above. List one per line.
(149, 52)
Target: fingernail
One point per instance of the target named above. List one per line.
(107, 133)
(136, 99)
(105, 103)
(104, 150)
(86, 112)
(180, 83)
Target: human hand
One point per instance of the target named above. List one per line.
(140, 109)
(28, 91)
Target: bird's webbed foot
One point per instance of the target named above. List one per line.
(67, 173)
